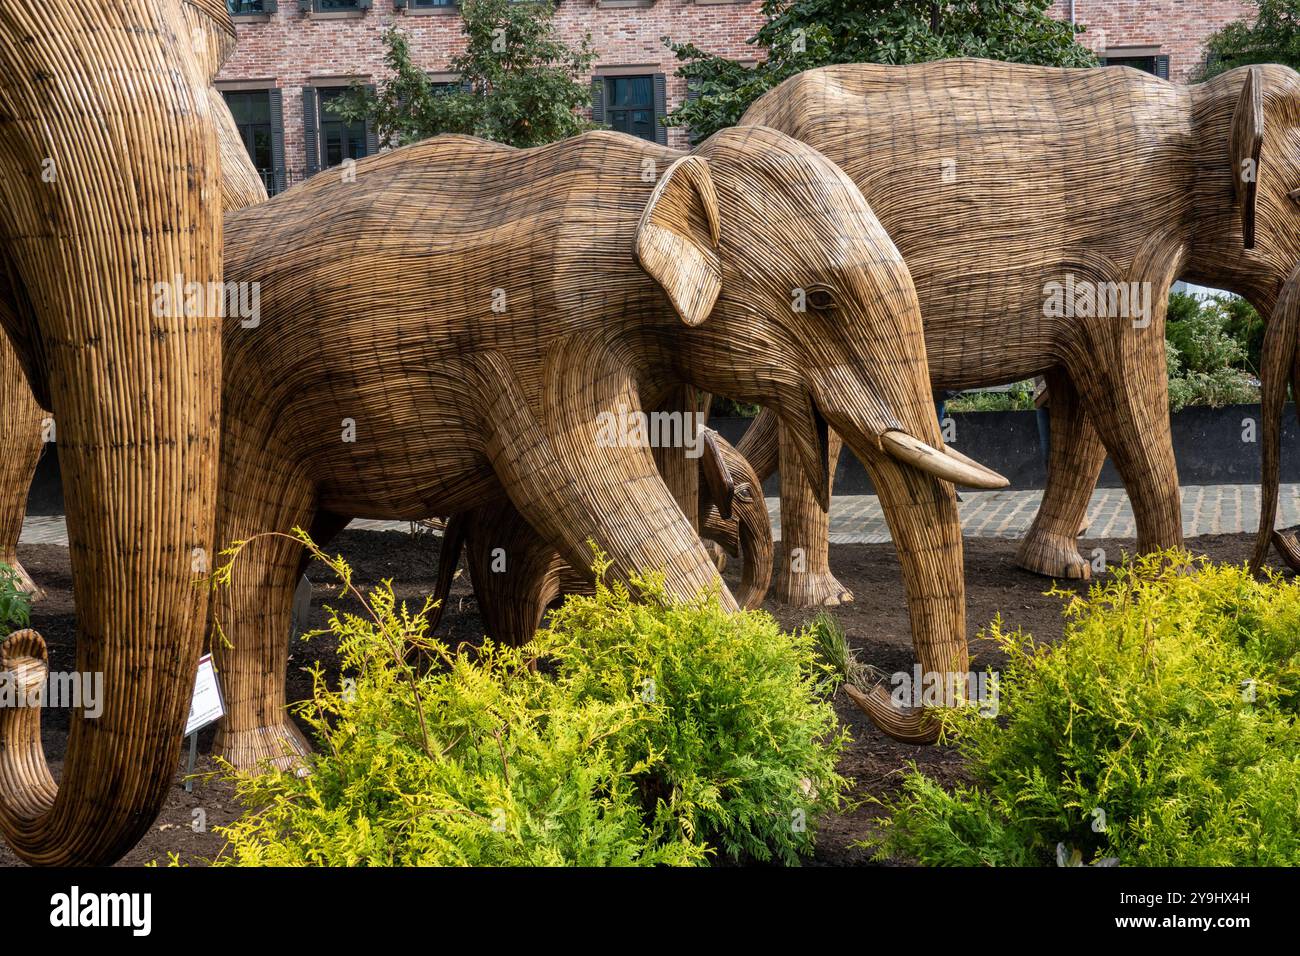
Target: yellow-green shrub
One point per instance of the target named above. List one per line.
(1162, 731)
(649, 734)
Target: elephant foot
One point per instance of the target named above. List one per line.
(282, 746)
(716, 555)
(811, 589)
(1053, 556)
(25, 583)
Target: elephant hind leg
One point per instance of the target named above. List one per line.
(804, 578)
(516, 574)
(255, 612)
(1075, 457)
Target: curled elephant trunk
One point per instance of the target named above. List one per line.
(744, 528)
(921, 511)
(1280, 365)
(134, 380)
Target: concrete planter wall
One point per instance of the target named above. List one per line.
(1210, 443)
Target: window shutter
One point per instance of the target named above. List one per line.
(661, 108)
(693, 94)
(1162, 67)
(278, 184)
(311, 129)
(372, 134)
(598, 101)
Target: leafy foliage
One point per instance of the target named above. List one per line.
(519, 83)
(15, 603)
(1211, 346)
(804, 34)
(1019, 398)
(648, 734)
(1272, 35)
(1162, 731)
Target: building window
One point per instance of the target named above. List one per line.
(629, 105)
(1155, 64)
(332, 6)
(331, 139)
(632, 103)
(340, 139)
(239, 8)
(429, 4)
(258, 118)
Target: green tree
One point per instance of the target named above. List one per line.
(803, 34)
(519, 83)
(1271, 36)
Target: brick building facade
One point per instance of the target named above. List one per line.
(294, 55)
(1171, 33)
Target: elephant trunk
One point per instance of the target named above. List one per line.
(1279, 361)
(117, 114)
(913, 474)
(921, 511)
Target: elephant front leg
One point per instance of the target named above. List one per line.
(1075, 457)
(804, 578)
(1124, 381)
(255, 612)
(584, 472)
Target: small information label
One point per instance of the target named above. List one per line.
(207, 705)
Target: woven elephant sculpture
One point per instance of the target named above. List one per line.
(109, 165)
(25, 426)
(517, 575)
(459, 322)
(1044, 214)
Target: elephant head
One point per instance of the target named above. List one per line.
(110, 193)
(1246, 200)
(811, 310)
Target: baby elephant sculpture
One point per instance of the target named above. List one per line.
(453, 324)
(516, 575)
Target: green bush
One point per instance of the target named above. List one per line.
(15, 603)
(1018, 398)
(1209, 344)
(647, 734)
(1161, 731)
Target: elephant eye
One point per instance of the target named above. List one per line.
(820, 298)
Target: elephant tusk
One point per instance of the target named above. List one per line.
(948, 466)
(989, 472)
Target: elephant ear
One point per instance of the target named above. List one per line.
(1246, 138)
(677, 239)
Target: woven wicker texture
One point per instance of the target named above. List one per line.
(517, 576)
(21, 428)
(24, 423)
(996, 180)
(108, 170)
(455, 322)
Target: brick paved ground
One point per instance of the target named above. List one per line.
(857, 519)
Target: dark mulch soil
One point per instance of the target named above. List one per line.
(877, 624)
